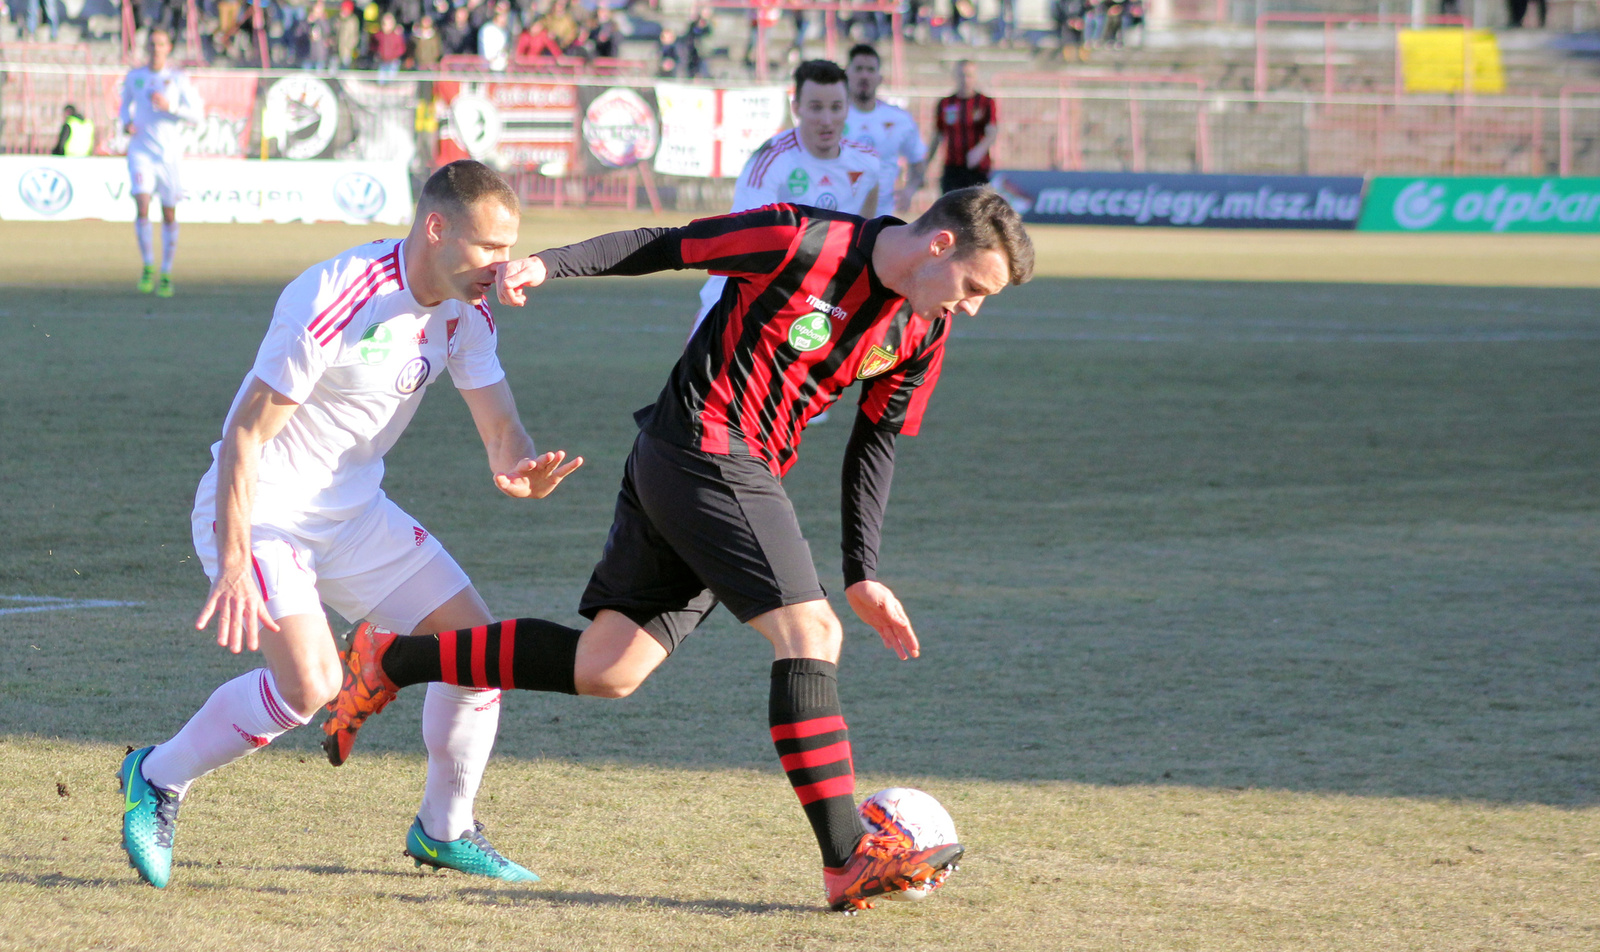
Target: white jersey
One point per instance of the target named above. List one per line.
(781, 170)
(158, 133)
(893, 134)
(350, 344)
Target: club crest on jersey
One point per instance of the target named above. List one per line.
(450, 335)
(374, 345)
(413, 375)
(810, 332)
(799, 182)
(876, 362)
(854, 178)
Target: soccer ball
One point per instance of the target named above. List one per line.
(917, 818)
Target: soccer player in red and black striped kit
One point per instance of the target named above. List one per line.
(969, 124)
(815, 301)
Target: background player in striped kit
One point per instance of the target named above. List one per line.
(291, 514)
(969, 123)
(157, 100)
(888, 129)
(816, 301)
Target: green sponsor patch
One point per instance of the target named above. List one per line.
(810, 332)
(799, 182)
(374, 346)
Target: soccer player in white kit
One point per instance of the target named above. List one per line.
(888, 130)
(811, 164)
(157, 99)
(291, 514)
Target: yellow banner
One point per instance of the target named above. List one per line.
(1434, 61)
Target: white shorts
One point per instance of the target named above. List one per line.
(381, 565)
(150, 175)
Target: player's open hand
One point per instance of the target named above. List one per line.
(878, 607)
(160, 102)
(514, 277)
(537, 478)
(240, 611)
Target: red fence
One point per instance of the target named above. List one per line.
(1157, 123)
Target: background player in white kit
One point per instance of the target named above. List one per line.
(811, 164)
(157, 99)
(291, 514)
(888, 130)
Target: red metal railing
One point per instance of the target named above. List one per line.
(1564, 107)
(1328, 21)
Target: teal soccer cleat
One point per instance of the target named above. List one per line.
(472, 854)
(149, 820)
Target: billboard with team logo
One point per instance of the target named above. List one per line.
(507, 124)
(56, 188)
(619, 127)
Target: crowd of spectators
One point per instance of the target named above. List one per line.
(393, 35)
(418, 34)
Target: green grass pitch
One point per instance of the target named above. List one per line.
(1257, 616)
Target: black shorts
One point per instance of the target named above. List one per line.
(693, 529)
(954, 177)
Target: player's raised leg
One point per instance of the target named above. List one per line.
(241, 717)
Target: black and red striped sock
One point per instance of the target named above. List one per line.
(528, 653)
(814, 746)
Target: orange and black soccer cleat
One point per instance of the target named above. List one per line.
(365, 692)
(886, 863)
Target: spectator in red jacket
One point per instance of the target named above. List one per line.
(389, 46)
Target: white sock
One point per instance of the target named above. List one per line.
(239, 718)
(169, 245)
(458, 726)
(141, 229)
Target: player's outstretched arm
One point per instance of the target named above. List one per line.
(755, 242)
(236, 600)
(876, 605)
(519, 470)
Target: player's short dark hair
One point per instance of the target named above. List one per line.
(158, 28)
(862, 49)
(981, 219)
(463, 183)
(821, 72)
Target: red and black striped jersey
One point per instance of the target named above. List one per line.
(964, 122)
(803, 317)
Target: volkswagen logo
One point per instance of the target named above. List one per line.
(45, 190)
(359, 195)
(413, 375)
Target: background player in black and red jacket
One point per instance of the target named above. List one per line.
(969, 124)
(815, 301)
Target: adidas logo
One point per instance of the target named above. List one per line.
(420, 534)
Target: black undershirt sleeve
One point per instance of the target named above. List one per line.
(642, 251)
(864, 496)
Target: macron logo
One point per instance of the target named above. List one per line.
(818, 304)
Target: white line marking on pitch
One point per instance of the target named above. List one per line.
(45, 603)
